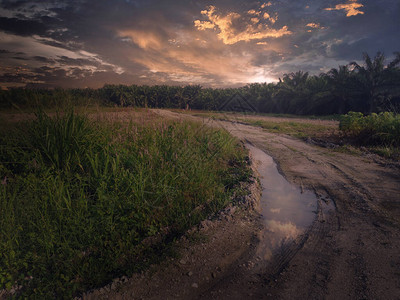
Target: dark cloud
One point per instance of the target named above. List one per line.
(11, 4)
(20, 58)
(43, 59)
(22, 27)
(67, 61)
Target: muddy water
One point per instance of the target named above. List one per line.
(286, 210)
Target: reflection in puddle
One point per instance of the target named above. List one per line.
(286, 211)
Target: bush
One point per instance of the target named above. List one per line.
(374, 129)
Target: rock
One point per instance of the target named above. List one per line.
(195, 285)
(182, 261)
(205, 225)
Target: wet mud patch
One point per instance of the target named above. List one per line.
(287, 211)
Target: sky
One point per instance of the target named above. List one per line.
(213, 43)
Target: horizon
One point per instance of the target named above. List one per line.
(218, 44)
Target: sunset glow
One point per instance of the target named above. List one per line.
(90, 43)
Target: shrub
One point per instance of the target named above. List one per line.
(374, 129)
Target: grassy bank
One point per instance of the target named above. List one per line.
(374, 129)
(82, 202)
(380, 133)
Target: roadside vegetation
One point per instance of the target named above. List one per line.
(380, 132)
(293, 128)
(354, 132)
(83, 202)
(300, 127)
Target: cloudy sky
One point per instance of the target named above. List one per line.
(219, 43)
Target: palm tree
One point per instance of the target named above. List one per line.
(376, 79)
(340, 80)
(291, 93)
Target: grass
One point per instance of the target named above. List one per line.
(296, 129)
(386, 151)
(83, 202)
(297, 126)
(376, 129)
(380, 133)
(216, 114)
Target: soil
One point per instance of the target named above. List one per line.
(349, 252)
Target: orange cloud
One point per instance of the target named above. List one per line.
(185, 59)
(266, 4)
(313, 25)
(230, 35)
(254, 12)
(144, 39)
(267, 16)
(203, 25)
(351, 8)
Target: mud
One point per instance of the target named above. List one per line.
(350, 249)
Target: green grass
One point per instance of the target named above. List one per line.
(217, 114)
(386, 151)
(380, 133)
(296, 129)
(381, 129)
(83, 202)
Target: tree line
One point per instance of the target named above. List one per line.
(372, 86)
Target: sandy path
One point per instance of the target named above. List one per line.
(352, 252)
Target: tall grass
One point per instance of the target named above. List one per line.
(83, 202)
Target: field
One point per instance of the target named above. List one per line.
(87, 198)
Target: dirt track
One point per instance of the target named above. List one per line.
(352, 252)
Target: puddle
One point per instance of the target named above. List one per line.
(286, 210)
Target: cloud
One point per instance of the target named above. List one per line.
(352, 8)
(268, 17)
(190, 55)
(42, 60)
(92, 42)
(22, 27)
(145, 39)
(233, 28)
(264, 5)
(313, 25)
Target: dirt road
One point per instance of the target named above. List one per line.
(350, 252)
